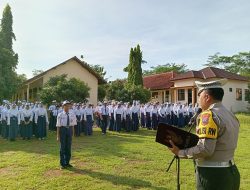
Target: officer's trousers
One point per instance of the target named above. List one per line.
(208, 178)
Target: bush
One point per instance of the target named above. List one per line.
(120, 90)
(60, 88)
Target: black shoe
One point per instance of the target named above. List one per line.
(69, 166)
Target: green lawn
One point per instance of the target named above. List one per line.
(115, 161)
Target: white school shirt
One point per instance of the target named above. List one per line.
(111, 110)
(4, 115)
(179, 111)
(162, 112)
(55, 112)
(40, 112)
(142, 110)
(105, 111)
(190, 110)
(135, 109)
(62, 119)
(126, 112)
(89, 111)
(52, 107)
(15, 113)
(153, 111)
(27, 113)
(118, 111)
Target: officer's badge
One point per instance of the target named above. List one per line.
(205, 118)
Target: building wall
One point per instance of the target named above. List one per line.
(229, 99)
(184, 83)
(74, 69)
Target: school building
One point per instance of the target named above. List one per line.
(173, 87)
(72, 67)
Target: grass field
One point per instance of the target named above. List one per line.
(115, 161)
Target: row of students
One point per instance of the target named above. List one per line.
(23, 120)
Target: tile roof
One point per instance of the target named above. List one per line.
(82, 63)
(210, 72)
(159, 81)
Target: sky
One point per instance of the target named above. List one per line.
(49, 32)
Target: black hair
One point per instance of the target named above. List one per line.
(216, 93)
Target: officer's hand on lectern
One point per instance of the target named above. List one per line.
(174, 148)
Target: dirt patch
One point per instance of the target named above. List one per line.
(5, 171)
(10, 171)
(53, 173)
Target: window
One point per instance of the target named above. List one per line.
(154, 94)
(167, 96)
(181, 94)
(34, 93)
(230, 90)
(247, 94)
(238, 94)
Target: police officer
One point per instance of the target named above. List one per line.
(218, 131)
(66, 121)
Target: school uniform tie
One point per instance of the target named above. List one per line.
(67, 119)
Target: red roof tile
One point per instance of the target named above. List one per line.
(159, 81)
(189, 74)
(210, 72)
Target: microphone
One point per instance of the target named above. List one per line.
(193, 119)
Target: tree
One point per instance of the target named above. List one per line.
(36, 72)
(101, 92)
(120, 90)
(99, 70)
(179, 68)
(134, 69)
(7, 34)
(115, 88)
(238, 63)
(60, 88)
(8, 58)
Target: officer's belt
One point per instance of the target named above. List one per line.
(205, 163)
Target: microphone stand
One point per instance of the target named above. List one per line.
(178, 186)
(177, 170)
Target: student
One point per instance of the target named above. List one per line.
(66, 121)
(13, 122)
(27, 117)
(41, 119)
(89, 118)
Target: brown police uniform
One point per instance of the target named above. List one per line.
(213, 155)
